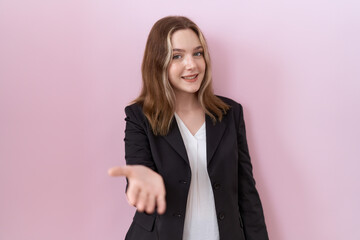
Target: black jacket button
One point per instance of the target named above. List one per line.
(178, 215)
(221, 216)
(217, 186)
(182, 181)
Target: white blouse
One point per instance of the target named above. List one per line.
(200, 218)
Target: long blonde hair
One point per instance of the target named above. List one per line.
(157, 95)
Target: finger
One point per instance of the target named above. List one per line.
(119, 171)
(133, 195)
(141, 201)
(150, 206)
(128, 200)
(161, 204)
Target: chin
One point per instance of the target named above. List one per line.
(194, 91)
(186, 88)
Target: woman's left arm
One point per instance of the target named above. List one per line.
(251, 210)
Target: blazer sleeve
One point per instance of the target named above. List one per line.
(251, 211)
(137, 147)
(138, 152)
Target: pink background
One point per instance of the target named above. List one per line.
(68, 68)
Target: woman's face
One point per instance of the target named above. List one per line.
(187, 67)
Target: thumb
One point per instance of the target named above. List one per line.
(119, 171)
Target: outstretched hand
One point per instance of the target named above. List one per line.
(146, 189)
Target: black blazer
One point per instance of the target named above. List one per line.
(237, 203)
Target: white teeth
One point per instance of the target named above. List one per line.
(189, 78)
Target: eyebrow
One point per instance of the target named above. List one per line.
(182, 50)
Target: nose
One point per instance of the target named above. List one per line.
(189, 62)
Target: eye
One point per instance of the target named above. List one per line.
(199, 54)
(176, 57)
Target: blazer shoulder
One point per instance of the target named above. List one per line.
(134, 107)
(135, 111)
(235, 106)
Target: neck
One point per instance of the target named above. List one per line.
(186, 102)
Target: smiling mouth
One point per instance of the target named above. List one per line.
(190, 77)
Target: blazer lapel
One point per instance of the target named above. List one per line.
(175, 140)
(214, 134)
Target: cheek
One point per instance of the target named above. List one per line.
(203, 65)
(172, 74)
(173, 70)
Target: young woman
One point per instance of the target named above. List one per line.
(188, 166)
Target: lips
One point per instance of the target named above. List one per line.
(190, 77)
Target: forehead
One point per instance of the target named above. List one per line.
(185, 39)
